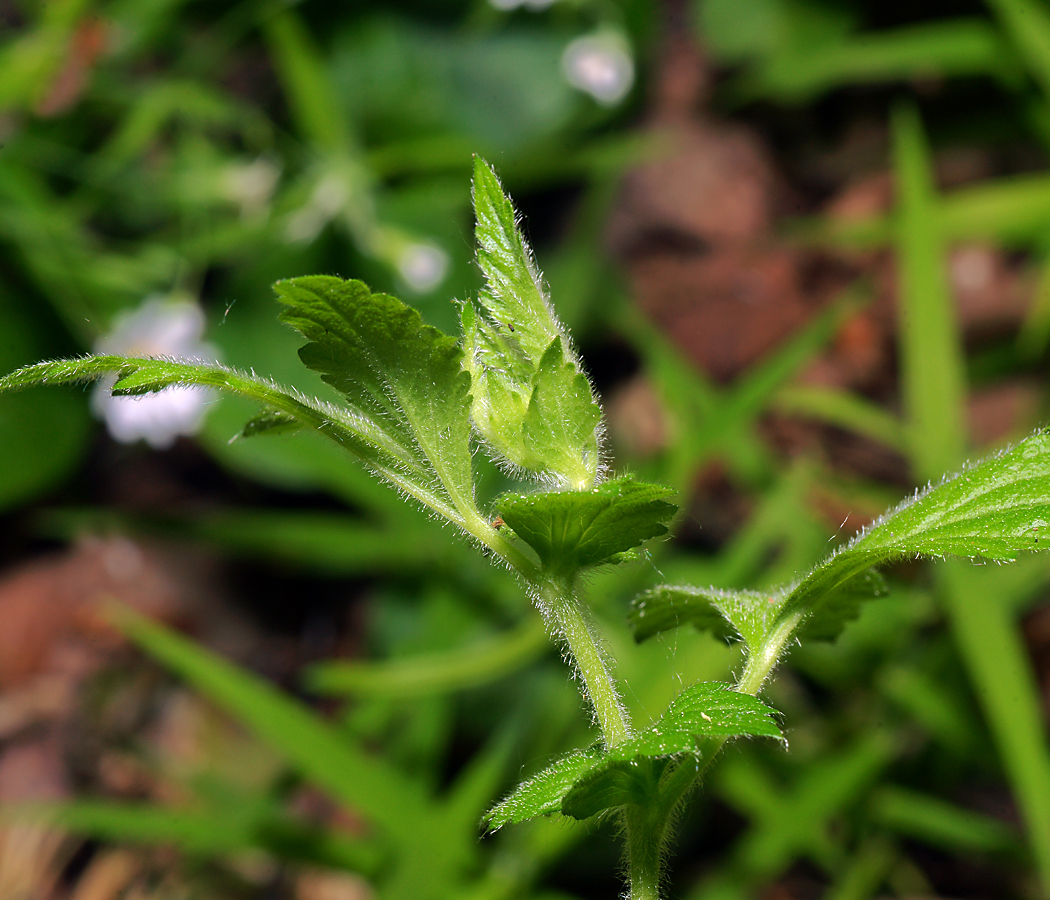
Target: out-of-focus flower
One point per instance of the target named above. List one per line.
(423, 266)
(161, 326)
(601, 65)
(508, 5)
(328, 199)
(250, 185)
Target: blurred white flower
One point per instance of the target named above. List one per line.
(601, 65)
(423, 266)
(159, 327)
(534, 5)
(328, 198)
(250, 185)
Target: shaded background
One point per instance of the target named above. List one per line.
(803, 247)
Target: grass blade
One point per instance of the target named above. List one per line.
(931, 361)
(932, 371)
(310, 744)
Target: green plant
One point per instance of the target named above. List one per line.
(413, 403)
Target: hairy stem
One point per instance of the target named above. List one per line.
(759, 666)
(761, 661)
(568, 614)
(644, 851)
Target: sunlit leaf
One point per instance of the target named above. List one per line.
(395, 371)
(994, 510)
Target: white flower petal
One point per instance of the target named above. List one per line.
(160, 327)
(601, 65)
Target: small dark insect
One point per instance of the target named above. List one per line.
(498, 523)
(511, 327)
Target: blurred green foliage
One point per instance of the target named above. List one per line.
(172, 148)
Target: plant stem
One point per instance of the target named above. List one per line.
(760, 663)
(561, 601)
(644, 843)
(763, 659)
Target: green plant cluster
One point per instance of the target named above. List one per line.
(132, 190)
(406, 411)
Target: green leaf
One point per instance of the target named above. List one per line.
(1027, 22)
(585, 783)
(397, 373)
(542, 794)
(707, 709)
(411, 427)
(531, 401)
(610, 784)
(994, 510)
(951, 48)
(931, 355)
(941, 824)
(842, 606)
(573, 529)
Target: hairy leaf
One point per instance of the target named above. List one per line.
(994, 509)
(378, 448)
(394, 371)
(584, 783)
(531, 402)
(707, 709)
(513, 296)
(573, 529)
(560, 427)
(608, 785)
(542, 794)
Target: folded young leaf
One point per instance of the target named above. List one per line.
(531, 402)
(381, 451)
(707, 709)
(403, 375)
(994, 509)
(562, 423)
(513, 297)
(573, 529)
(542, 794)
